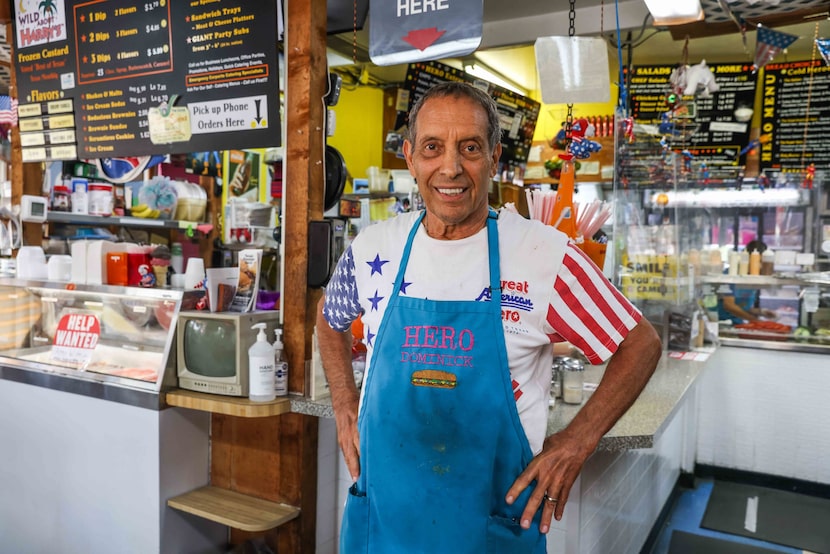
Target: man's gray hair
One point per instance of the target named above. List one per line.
(458, 89)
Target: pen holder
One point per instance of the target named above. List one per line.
(595, 251)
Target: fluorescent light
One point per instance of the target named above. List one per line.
(477, 69)
(674, 12)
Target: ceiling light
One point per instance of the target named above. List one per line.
(477, 69)
(674, 12)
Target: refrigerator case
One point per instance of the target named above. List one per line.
(117, 336)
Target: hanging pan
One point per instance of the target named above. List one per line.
(335, 177)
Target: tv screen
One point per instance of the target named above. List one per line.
(210, 347)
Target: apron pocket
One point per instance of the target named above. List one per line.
(505, 534)
(354, 533)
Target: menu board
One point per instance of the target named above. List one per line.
(518, 113)
(791, 90)
(140, 78)
(705, 127)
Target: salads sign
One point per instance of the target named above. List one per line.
(75, 339)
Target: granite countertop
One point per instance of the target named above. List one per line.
(650, 412)
(635, 429)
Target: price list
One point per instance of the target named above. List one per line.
(796, 115)
(157, 77)
(518, 114)
(113, 42)
(707, 127)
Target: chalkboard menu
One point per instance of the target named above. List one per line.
(109, 78)
(705, 127)
(793, 92)
(518, 113)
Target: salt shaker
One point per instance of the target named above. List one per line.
(572, 380)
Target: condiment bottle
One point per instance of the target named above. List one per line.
(755, 263)
(767, 262)
(734, 262)
(743, 263)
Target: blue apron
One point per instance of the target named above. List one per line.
(440, 437)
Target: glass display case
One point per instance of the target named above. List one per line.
(119, 337)
(691, 246)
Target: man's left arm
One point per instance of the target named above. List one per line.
(556, 468)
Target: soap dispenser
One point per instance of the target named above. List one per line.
(280, 365)
(261, 367)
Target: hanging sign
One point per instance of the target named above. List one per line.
(75, 339)
(154, 77)
(796, 115)
(407, 31)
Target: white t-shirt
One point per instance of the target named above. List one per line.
(551, 292)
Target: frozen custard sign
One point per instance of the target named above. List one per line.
(39, 21)
(76, 338)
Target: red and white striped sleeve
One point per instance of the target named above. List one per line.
(587, 310)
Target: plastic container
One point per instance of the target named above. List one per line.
(280, 366)
(261, 367)
(61, 199)
(100, 198)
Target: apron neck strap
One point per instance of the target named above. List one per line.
(492, 251)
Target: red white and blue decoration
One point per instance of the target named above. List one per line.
(768, 44)
(823, 45)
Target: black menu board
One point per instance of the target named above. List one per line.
(711, 130)
(152, 77)
(518, 113)
(788, 96)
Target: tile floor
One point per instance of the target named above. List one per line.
(686, 515)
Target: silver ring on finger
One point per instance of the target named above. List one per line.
(550, 499)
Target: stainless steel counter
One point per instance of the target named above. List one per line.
(636, 429)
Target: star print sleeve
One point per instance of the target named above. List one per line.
(341, 306)
(587, 310)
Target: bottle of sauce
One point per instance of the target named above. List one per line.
(755, 263)
(767, 262)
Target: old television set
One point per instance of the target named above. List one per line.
(212, 349)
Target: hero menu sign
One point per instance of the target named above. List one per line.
(152, 77)
(795, 121)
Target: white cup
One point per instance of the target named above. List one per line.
(194, 274)
(31, 263)
(177, 280)
(59, 268)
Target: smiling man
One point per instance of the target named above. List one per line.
(446, 441)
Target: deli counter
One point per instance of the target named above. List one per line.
(102, 341)
(91, 451)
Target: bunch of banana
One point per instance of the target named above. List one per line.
(145, 211)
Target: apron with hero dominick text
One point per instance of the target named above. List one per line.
(440, 437)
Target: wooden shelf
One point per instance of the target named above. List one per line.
(227, 405)
(234, 509)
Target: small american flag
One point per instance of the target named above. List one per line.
(8, 110)
(768, 44)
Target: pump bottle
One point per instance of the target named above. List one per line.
(261, 367)
(281, 366)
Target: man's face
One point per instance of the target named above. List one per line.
(453, 165)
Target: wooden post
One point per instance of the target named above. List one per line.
(276, 458)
